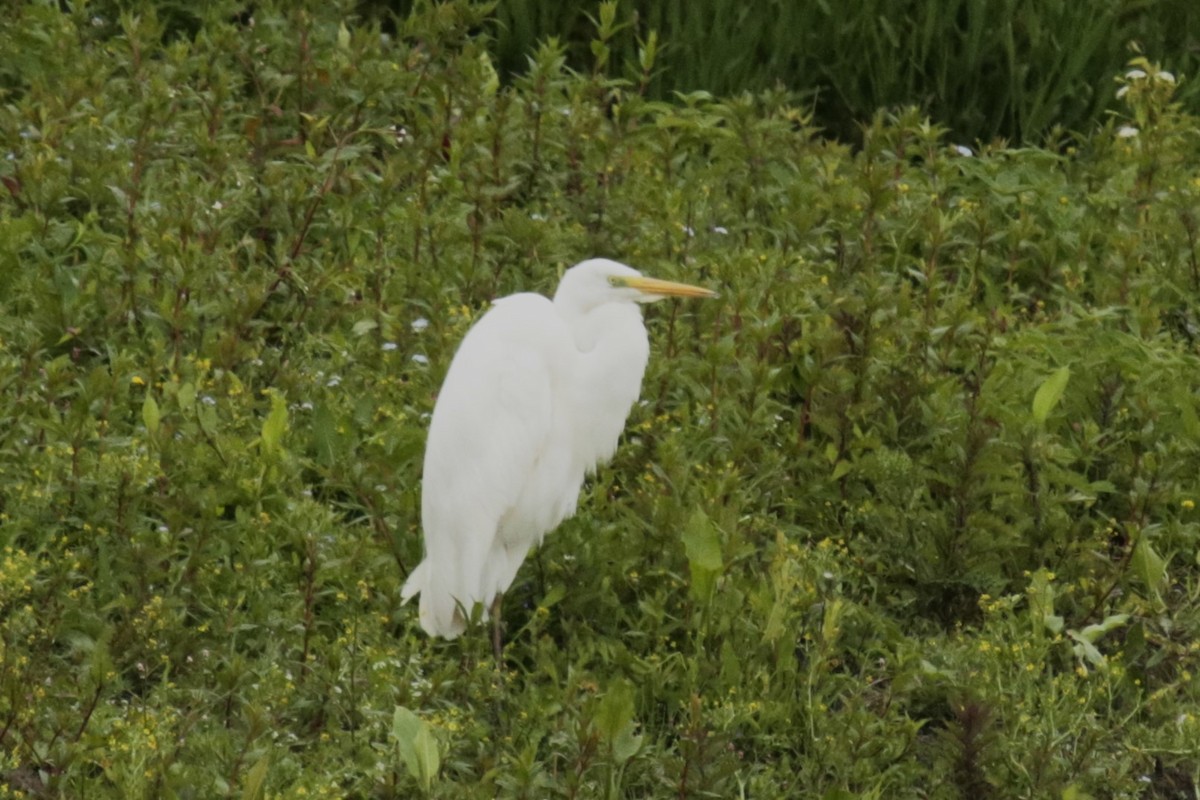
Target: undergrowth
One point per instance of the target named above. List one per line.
(910, 511)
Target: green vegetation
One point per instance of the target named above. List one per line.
(984, 68)
(909, 512)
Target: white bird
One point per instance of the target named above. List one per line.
(535, 399)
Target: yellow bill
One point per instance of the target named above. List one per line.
(654, 286)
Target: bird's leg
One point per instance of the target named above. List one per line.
(495, 612)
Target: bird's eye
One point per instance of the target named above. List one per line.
(613, 280)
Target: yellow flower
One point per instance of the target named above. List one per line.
(1188, 505)
(137, 380)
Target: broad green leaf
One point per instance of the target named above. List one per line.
(427, 757)
(831, 626)
(255, 779)
(364, 326)
(418, 749)
(615, 710)
(1185, 402)
(207, 416)
(150, 415)
(1087, 650)
(556, 593)
(1041, 603)
(325, 438)
(1050, 393)
(186, 396)
(702, 545)
(1073, 792)
(1094, 632)
(405, 725)
(626, 744)
(1149, 566)
(275, 424)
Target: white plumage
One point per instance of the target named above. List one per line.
(535, 398)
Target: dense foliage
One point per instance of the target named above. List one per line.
(909, 512)
(983, 68)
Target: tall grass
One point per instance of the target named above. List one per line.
(984, 68)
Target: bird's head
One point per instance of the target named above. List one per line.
(599, 280)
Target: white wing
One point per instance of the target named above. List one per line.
(498, 470)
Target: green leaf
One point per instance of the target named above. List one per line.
(1094, 632)
(325, 438)
(702, 545)
(1050, 393)
(831, 622)
(614, 721)
(1041, 603)
(186, 396)
(427, 757)
(626, 744)
(255, 779)
(556, 593)
(1149, 566)
(1087, 650)
(150, 414)
(275, 424)
(418, 749)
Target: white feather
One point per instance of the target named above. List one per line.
(535, 397)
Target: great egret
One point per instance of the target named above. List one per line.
(535, 398)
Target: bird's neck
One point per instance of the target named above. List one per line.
(606, 326)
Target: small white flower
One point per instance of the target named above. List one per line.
(389, 346)
(963, 150)
(1127, 132)
(306, 406)
(208, 400)
(1166, 77)
(537, 217)
(1124, 90)
(687, 231)
(721, 229)
(420, 358)
(163, 529)
(217, 205)
(419, 324)
(1135, 75)
(336, 380)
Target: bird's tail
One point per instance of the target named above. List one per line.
(439, 612)
(415, 582)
